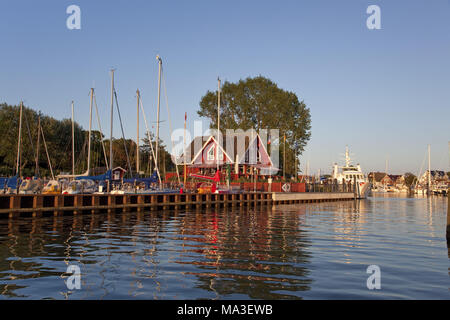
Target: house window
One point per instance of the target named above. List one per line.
(211, 153)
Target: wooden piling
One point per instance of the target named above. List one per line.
(14, 206)
(126, 203)
(177, 201)
(111, 203)
(14, 203)
(208, 200)
(95, 202)
(140, 203)
(77, 203)
(38, 203)
(154, 202)
(58, 203)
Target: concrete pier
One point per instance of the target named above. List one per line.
(312, 196)
(13, 206)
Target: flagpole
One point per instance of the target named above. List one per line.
(138, 95)
(218, 122)
(184, 153)
(284, 159)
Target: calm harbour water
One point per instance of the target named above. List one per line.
(309, 251)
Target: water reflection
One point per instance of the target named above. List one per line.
(284, 252)
(249, 253)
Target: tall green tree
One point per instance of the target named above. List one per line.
(258, 103)
(165, 163)
(410, 178)
(58, 138)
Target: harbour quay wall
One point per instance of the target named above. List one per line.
(12, 206)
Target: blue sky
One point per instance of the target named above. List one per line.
(385, 93)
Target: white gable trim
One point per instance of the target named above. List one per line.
(221, 148)
(201, 150)
(257, 138)
(267, 152)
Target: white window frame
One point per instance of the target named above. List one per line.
(211, 157)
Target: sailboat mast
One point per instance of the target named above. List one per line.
(307, 170)
(449, 154)
(218, 122)
(46, 152)
(37, 174)
(19, 139)
(157, 112)
(429, 167)
(101, 132)
(112, 115)
(90, 132)
(137, 133)
(73, 143)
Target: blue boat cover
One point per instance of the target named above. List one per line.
(147, 181)
(12, 182)
(102, 177)
(3, 181)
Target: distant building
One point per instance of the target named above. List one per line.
(377, 182)
(437, 177)
(387, 180)
(118, 173)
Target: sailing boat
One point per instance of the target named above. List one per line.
(422, 187)
(145, 184)
(139, 184)
(85, 175)
(10, 185)
(35, 185)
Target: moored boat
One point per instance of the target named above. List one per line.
(349, 174)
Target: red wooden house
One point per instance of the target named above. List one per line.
(244, 153)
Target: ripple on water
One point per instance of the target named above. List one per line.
(304, 251)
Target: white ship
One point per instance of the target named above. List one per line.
(348, 173)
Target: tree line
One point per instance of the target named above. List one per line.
(254, 103)
(58, 138)
(258, 103)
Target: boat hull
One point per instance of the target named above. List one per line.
(363, 189)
